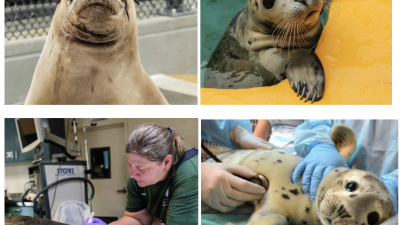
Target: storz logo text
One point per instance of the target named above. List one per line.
(66, 171)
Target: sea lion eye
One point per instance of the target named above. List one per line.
(373, 218)
(268, 3)
(352, 186)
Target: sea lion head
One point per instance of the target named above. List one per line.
(350, 197)
(96, 21)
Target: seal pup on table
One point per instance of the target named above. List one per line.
(344, 196)
(266, 42)
(91, 56)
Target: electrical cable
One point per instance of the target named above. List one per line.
(58, 171)
(37, 208)
(25, 192)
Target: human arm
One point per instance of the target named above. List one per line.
(246, 140)
(136, 218)
(136, 211)
(223, 190)
(219, 131)
(263, 130)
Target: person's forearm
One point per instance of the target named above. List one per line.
(126, 220)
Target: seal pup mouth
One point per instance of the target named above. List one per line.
(97, 21)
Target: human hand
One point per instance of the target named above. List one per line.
(393, 186)
(95, 221)
(224, 191)
(321, 159)
(245, 140)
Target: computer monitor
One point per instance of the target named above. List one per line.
(30, 133)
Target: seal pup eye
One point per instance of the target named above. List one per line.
(268, 4)
(352, 186)
(373, 218)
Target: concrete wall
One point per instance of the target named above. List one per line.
(167, 45)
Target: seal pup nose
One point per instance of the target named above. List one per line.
(302, 2)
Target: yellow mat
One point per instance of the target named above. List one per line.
(356, 51)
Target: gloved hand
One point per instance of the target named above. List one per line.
(95, 221)
(224, 191)
(321, 159)
(245, 140)
(392, 186)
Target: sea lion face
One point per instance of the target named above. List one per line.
(350, 197)
(287, 14)
(95, 21)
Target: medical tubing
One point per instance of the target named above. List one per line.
(210, 153)
(90, 199)
(36, 207)
(23, 196)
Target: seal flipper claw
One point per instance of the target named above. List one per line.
(315, 95)
(308, 96)
(298, 89)
(302, 94)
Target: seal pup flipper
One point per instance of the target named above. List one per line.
(302, 67)
(345, 140)
(306, 75)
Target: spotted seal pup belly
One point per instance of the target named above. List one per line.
(91, 56)
(267, 42)
(344, 197)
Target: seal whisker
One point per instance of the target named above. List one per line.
(285, 34)
(281, 33)
(282, 17)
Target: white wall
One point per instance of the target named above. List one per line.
(15, 176)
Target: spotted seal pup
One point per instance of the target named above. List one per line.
(344, 197)
(91, 56)
(266, 42)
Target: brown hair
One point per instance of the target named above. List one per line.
(154, 142)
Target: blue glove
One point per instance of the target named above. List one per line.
(322, 158)
(393, 186)
(95, 221)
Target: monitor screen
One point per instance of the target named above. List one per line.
(27, 131)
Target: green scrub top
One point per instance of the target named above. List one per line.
(183, 205)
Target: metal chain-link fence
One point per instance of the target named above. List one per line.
(29, 18)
